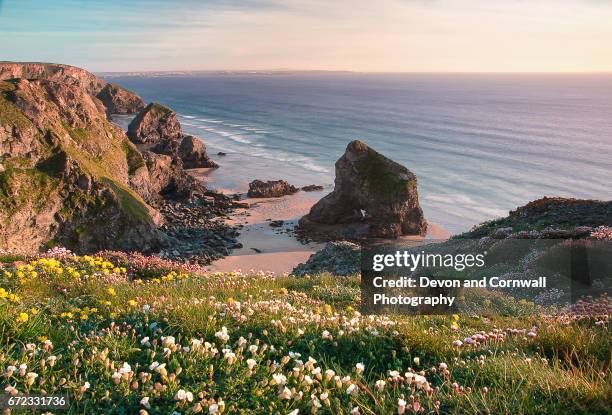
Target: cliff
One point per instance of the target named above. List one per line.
(116, 99)
(65, 172)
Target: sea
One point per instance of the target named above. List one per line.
(480, 144)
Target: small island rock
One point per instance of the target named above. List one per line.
(373, 197)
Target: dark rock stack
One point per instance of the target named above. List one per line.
(158, 127)
(373, 197)
(271, 188)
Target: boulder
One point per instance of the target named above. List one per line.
(154, 124)
(192, 152)
(312, 188)
(338, 258)
(373, 196)
(271, 188)
(119, 100)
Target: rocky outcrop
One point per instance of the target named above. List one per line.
(154, 124)
(373, 196)
(271, 188)
(158, 125)
(67, 172)
(115, 98)
(119, 100)
(68, 176)
(548, 218)
(193, 153)
(168, 179)
(338, 258)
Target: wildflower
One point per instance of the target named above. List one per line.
(182, 395)
(417, 360)
(531, 334)
(253, 349)
(11, 390)
(401, 406)
(111, 291)
(380, 385)
(294, 412)
(132, 303)
(22, 318)
(9, 371)
(443, 366)
(285, 393)
(30, 378)
(222, 334)
(352, 388)
(457, 343)
(116, 377)
(279, 379)
(251, 363)
(168, 341)
(145, 402)
(359, 368)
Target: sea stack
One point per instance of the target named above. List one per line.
(373, 197)
(157, 129)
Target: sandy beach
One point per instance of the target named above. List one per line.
(267, 247)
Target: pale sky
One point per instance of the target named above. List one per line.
(360, 35)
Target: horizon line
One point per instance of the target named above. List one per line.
(350, 71)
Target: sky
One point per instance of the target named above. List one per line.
(359, 35)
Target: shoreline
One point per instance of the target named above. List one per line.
(274, 248)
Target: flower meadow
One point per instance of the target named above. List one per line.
(128, 334)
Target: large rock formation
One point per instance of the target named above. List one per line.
(158, 127)
(373, 197)
(116, 99)
(193, 153)
(66, 173)
(119, 100)
(153, 124)
(271, 188)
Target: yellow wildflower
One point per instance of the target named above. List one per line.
(22, 318)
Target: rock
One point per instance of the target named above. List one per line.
(548, 218)
(277, 223)
(193, 153)
(70, 172)
(312, 188)
(119, 100)
(338, 258)
(271, 188)
(373, 196)
(115, 98)
(221, 153)
(154, 124)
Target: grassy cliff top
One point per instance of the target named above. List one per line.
(184, 340)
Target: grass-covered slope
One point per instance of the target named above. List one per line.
(64, 172)
(128, 334)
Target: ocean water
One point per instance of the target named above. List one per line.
(480, 145)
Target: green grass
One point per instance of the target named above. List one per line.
(563, 370)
